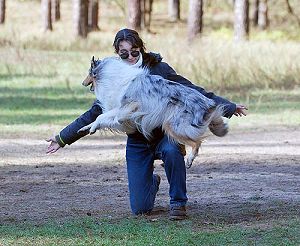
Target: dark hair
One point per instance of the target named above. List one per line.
(132, 37)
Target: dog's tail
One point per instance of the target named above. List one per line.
(188, 128)
(215, 121)
(212, 120)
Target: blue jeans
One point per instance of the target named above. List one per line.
(143, 186)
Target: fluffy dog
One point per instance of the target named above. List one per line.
(132, 99)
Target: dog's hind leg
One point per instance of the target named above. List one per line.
(192, 155)
(184, 139)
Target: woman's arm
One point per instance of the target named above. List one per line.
(69, 134)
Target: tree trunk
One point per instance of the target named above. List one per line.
(55, 11)
(255, 12)
(241, 20)
(80, 16)
(291, 11)
(263, 20)
(134, 14)
(195, 18)
(146, 13)
(174, 10)
(93, 15)
(46, 13)
(2, 11)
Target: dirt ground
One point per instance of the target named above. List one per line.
(249, 175)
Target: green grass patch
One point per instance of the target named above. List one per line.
(41, 73)
(39, 101)
(52, 94)
(141, 231)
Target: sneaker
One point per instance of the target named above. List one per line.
(177, 213)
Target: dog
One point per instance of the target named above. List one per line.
(133, 100)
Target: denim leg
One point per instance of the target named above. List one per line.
(169, 152)
(142, 186)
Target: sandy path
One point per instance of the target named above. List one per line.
(245, 176)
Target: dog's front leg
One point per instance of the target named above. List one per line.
(106, 120)
(85, 128)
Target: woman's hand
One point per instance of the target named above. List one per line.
(240, 110)
(53, 146)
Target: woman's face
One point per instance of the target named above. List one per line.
(126, 48)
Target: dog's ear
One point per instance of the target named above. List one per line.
(93, 62)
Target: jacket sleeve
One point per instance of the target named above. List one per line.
(69, 134)
(170, 74)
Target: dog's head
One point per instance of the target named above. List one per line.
(91, 78)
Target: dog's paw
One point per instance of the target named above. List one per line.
(85, 128)
(92, 131)
(188, 163)
(94, 128)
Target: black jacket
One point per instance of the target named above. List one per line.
(154, 62)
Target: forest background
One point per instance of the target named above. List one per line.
(41, 71)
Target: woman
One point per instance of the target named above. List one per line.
(141, 153)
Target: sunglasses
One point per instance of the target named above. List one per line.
(125, 55)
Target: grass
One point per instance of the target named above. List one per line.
(40, 73)
(29, 106)
(141, 231)
(39, 91)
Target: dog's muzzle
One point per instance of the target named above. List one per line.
(90, 80)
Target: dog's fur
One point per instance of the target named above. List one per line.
(132, 99)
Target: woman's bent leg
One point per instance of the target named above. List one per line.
(143, 186)
(169, 152)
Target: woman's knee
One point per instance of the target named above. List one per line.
(141, 197)
(140, 211)
(172, 157)
(140, 207)
(172, 150)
